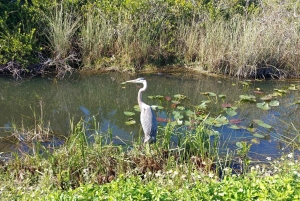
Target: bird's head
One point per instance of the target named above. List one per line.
(138, 80)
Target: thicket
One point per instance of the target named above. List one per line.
(244, 38)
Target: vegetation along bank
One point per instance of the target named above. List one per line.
(237, 38)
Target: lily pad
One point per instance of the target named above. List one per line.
(258, 135)
(177, 115)
(239, 144)
(154, 107)
(130, 122)
(251, 129)
(187, 123)
(292, 87)
(266, 98)
(235, 127)
(180, 96)
(263, 105)
(175, 102)
(190, 113)
(202, 106)
(297, 102)
(255, 141)
(180, 108)
(213, 132)
(275, 94)
(220, 121)
(249, 98)
(129, 113)
(261, 123)
(230, 112)
(137, 108)
(159, 97)
(274, 103)
(222, 96)
(209, 94)
(282, 91)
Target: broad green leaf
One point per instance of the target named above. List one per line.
(221, 120)
(175, 102)
(249, 98)
(187, 123)
(202, 106)
(130, 122)
(235, 127)
(261, 123)
(230, 112)
(264, 106)
(222, 96)
(292, 87)
(266, 98)
(209, 94)
(239, 144)
(179, 122)
(159, 97)
(180, 108)
(158, 107)
(190, 113)
(255, 141)
(282, 91)
(180, 96)
(213, 132)
(129, 113)
(258, 135)
(297, 102)
(137, 108)
(209, 121)
(251, 129)
(274, 103)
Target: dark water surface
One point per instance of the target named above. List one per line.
(23, 103)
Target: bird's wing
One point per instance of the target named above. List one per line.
(148, 121)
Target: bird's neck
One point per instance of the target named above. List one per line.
(140, 99)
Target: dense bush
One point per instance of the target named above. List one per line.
(239, 38)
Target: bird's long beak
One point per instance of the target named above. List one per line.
(131, 81)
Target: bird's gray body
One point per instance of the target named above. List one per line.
(148, 118)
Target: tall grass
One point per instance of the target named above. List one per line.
(263, 44)
(238, 38)
(260, 40)
(60, 33)
(97, 39)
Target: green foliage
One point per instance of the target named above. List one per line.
(253, 186)
(226, 37)
(17, 34)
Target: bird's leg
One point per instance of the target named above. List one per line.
(147, 149)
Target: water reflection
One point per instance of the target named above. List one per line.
(103, 98)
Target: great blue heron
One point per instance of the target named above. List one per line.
(148, 119)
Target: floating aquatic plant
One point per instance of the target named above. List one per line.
(261, 123)
(130, 122)
(247, 98)
(129, 113)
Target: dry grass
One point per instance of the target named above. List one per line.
(265, 44)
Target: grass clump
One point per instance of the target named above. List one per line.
(99, 170)
(237, 38)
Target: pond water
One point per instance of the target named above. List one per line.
(102, 97)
